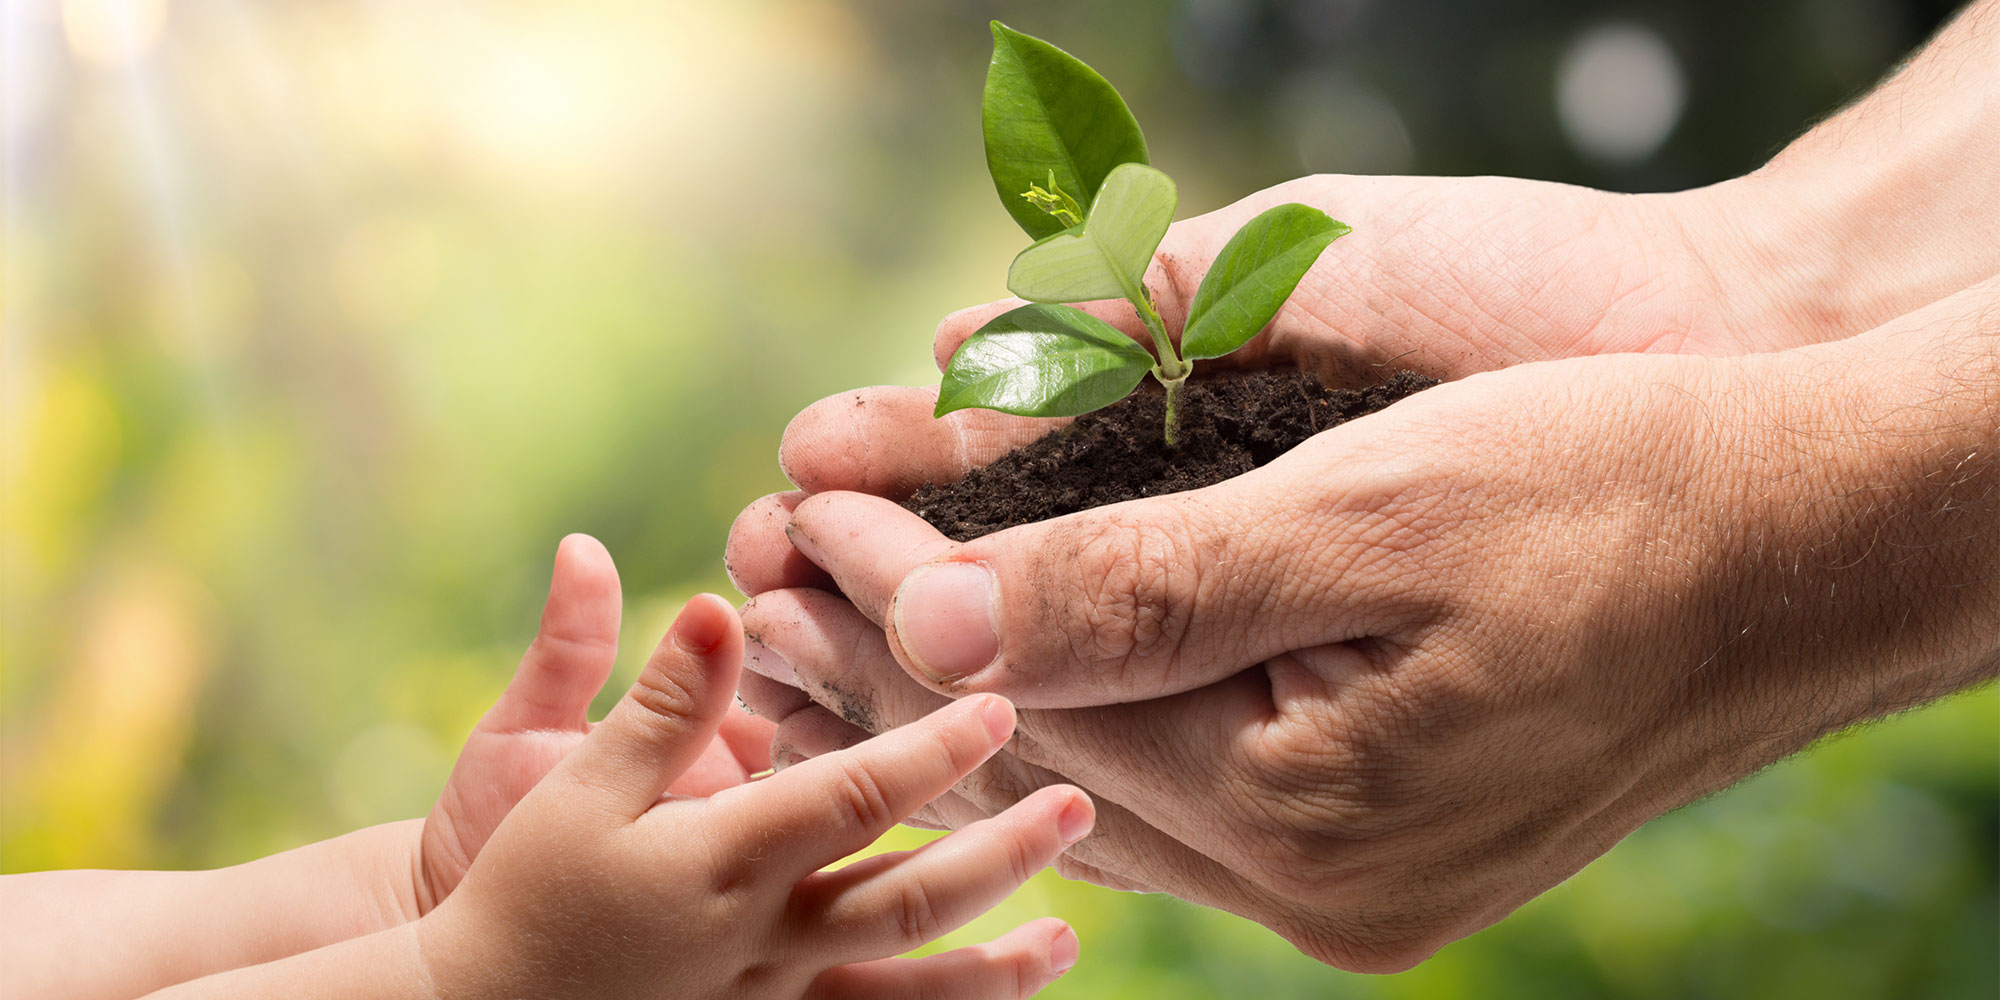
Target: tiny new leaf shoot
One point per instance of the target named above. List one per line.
(1055, 201)
(1049, 118)
(1053, 127)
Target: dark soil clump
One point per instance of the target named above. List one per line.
(1230, 423)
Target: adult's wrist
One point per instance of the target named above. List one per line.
(1869, 474)
(1880, 210)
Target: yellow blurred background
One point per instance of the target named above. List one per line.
(325, 319)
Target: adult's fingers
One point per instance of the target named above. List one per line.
(671, 714)
(768, 697)
(826, 808)
(843, 660)
(1015, 965)
(884, 441)
(758, 557)
(849, 671)
(574, 651)
(892, 903)
(1115, 604)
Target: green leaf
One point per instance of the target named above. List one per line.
(1043, 361)
(1253, 276)
(1106, 257)
(1046, 113)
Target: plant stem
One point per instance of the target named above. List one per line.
(1171, 365)
(1171, 371)
(1173, 404)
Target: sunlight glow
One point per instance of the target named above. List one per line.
(109, 32)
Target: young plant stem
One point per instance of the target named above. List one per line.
(1173, 405)
(1171, 370)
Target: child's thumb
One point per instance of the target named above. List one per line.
(672, 711)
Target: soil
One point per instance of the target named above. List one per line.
(1230, 423)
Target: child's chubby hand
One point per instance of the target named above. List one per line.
(544, 714)
(602, 883)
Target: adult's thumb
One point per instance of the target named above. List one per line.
(1116, 604)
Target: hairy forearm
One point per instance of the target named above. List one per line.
(1862, 567)
(170, 927)
(1882, 208)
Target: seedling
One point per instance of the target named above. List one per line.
(1070, 164)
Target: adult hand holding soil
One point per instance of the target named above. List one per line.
(1382, 691)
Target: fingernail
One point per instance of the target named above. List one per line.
(1063, 951)
(998, 714)
(1075, 820)
(804, 543)
(700, 627)
(945, 619)
(786, 758)
(763, 660)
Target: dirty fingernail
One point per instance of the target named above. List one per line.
(763, 660)
(804, 543)
(945, 619)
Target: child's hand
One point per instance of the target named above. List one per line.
(543, 715)
(595, 885)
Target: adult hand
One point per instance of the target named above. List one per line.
(1488, 631)
(1382, 691)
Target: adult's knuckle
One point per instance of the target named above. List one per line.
(993, 787)
(1136, 582)
(1357, 942)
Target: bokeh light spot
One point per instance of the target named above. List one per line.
(1619, 92)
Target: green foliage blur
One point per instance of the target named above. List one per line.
(325, 320)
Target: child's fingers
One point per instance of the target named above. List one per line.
(890, 904)
(572, 654)
(749, 738)
(670, 715)
(829, 807)
(1016, 964)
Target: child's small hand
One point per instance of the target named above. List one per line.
(595, 885)
(544, 714)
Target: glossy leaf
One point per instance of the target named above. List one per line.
(1043, 361)
(1253, 276)
(1107, 256)
(1046, 114)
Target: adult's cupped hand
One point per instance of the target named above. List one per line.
(1382, 691)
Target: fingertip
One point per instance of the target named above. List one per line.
(956, 327)
(578, 550)
(704, 625)
(1064, 949)
(1077, 816)
(583, 571)
(998, 715)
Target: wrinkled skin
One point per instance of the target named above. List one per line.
(1382, 691)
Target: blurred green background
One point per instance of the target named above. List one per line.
(325, 319)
